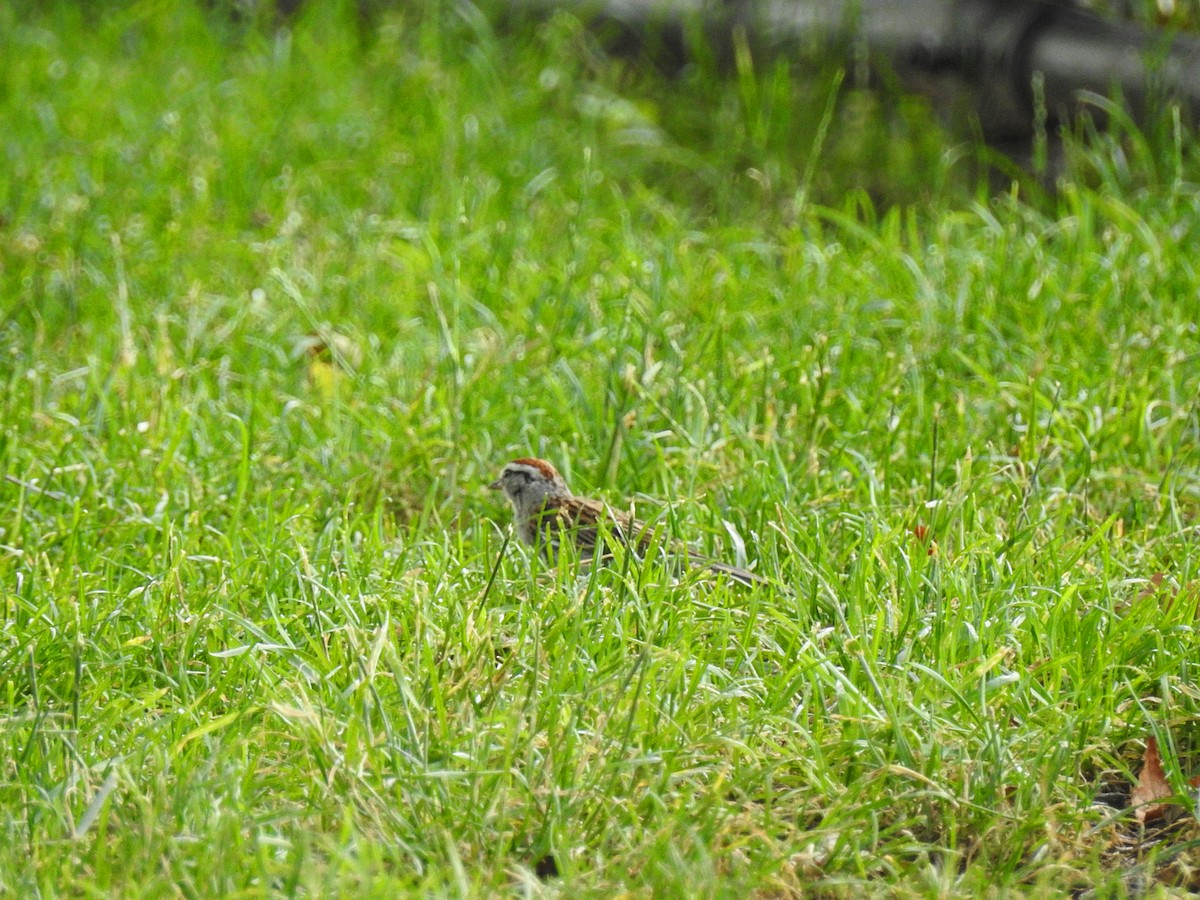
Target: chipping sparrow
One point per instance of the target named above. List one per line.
(545, 509)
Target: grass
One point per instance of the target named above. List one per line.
(279, 302)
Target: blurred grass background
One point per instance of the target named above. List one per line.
(281, 297)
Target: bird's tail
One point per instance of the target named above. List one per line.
(739, 575)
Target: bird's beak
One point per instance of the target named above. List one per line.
(495, 485)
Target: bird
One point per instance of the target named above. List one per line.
(545, 510)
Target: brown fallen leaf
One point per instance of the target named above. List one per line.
(1188, 596)
(1152, 587)
(1152, 786)
(921, 533)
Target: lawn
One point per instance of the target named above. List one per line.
(280, 300)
